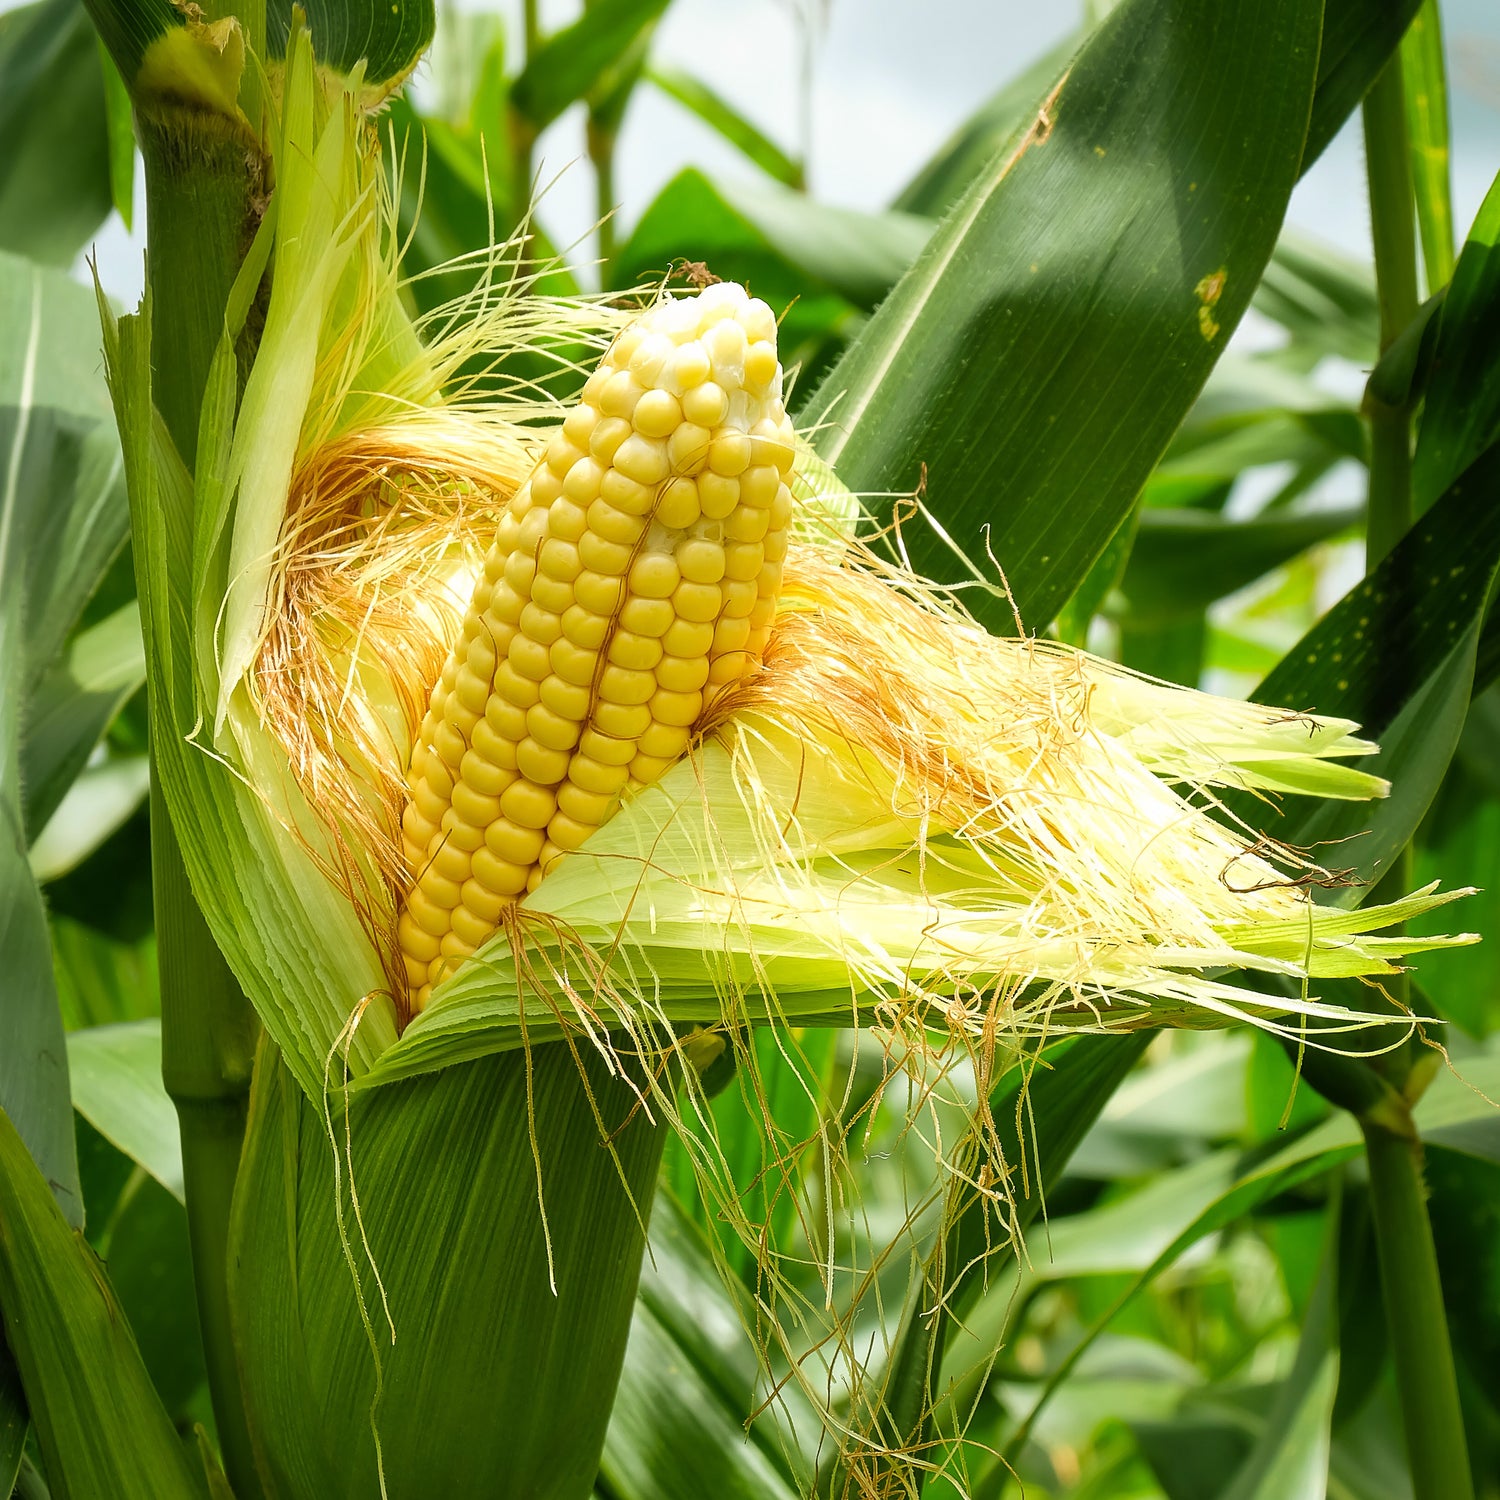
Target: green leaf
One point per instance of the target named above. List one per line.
(55, 141)
(678, 1428)
(572, 61)
(448, 1241)
(775, 240)
(387, 36)
(1036, 360)
(1290, 1460)
(1461, 414)
(100, 1423)
(120, 125)
(15, 1420)
(1323, 297)
(1425, 76)
(1358, 37)
(1396, 655)
(100, 802)
(60, 523)
(985, 136)
(1183, 560)
(74, 704)
(716, 111)
(117, 1088)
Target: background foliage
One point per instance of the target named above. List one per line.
(1200, 1311)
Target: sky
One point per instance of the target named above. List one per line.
(891, 79)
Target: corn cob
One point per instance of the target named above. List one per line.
(632, 579)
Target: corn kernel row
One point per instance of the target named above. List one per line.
(632, 579)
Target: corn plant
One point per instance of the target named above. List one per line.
(662, 930)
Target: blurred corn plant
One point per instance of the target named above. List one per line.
(1259, 1263)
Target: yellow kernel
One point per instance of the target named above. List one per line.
(758, 321)
(689, 638)
(481, 655)
(529, 658)
(579, 423)
(449, 743)
(513, 843)
(776, 542)
(590, 808)
(619, 395)
(740, 596)
(781, 508)
(559, 559)
(567, 833)
(770, 443)
(539, 764)
(458, 716)
(718, 495)
(760, 365)
(595, 776)
(654, 575)
(743, 560)
(540, 624)
(698, 601)
(416, 968)
(451, 862)
(527, 804)
(603, 556)
(520, 569)
(604, 750)
(417, 943)
(687, 448)
(648, 616)
(606, 440)
(746, 524)
(567, 519)
(505, 718)
(586, 629)
(678, 506)
(440, 892)
(640, 652)
(506, 604)
(582, 484)
(473, 690)
(484, 776)
(433, 920)
(615, 525)
(625, 494)
(729, 454)
(460, 834)
(687, 367)
(498, 749)
(759, 483)
(574, 664)
(665, 741)
(730, 635)
(729, 668)
(642, 459)
(649, 358)
(763, 613)
(561, 455)
(429, 803)
(599, 592)
(656, 414)
(676, 708)
(554, 594)
(648, 768)
(725, 343)
(472, 922)
(623, 721)
(568, 700)
(706, 404)
(700, 561)
(474, 807)
(498, 876)
(456, 950)
(625, 685)
(549, 729)
(511, 686)
(682, 674)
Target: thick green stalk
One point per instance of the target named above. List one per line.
(200, 199)
(1436, 1447)
(601, 147)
